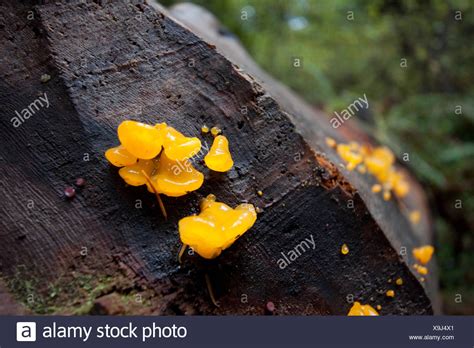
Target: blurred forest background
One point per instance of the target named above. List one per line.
(424, 108)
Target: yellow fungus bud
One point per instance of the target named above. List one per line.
(133, 174)
(387, 195)
(175, 178)
(376, 188)
(399, 281)
(358, 309)
(390, 293)
(423, 254)
(344, 249)
(205, 129)
(215, 131)
(217, 227)
(260, 193)
(331, 142)
(219, 157)
(120, 157)
(178, 147)
(362, 169)
(421, 269)
(141, 140)
(415, 216)
(379, 307)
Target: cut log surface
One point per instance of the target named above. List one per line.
(109, 250)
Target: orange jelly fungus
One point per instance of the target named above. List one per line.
(399, 281)
(350, 153)
(344, 249)
(390, 293)
(421, 269)
(379, 162)
(175, 178)
(331, 142)
(133, 175)
(215, 131)
(415, 216)
(376, 188)
(144, 163)
(176, 146)
(141, 140)
(423, 254)
(362, 310)
(219, 158)
(120, 157)
(217, 227)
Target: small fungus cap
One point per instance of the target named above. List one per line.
(423, 254)
(217, 227)
(141, 140)
(176, 178)
(362, 310)
(219, 158)
(120, 157)
(133, 175)
(178, 147)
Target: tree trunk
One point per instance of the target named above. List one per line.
(109, 250)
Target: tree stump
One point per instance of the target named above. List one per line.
(109, 250)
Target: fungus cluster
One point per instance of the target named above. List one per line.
(423, 255)
(158, 157)
(216, 227)
(379, 162)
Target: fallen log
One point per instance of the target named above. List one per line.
(109, 250)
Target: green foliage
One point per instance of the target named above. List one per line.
(412, 108)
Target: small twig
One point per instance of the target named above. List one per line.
(211, 292)
(160, 202)
(181, 252)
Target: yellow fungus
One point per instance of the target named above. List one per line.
(377, 161)
(141, 140)
(120, 157)
(399, 281)
(175, 178)
(344, 249)
(415, 216)
(423, 254)
(178, 147)
(219, 157)
(215, 131)
(386, 195)
(350, 155)
(358, 309)
(390, 293)
(217, 227)
(205, 129)
(376, 188)
(421, 269)
(260, 193)
(379, 307)
(133, 174)
(331, 142)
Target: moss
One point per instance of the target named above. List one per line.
(69, 294)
